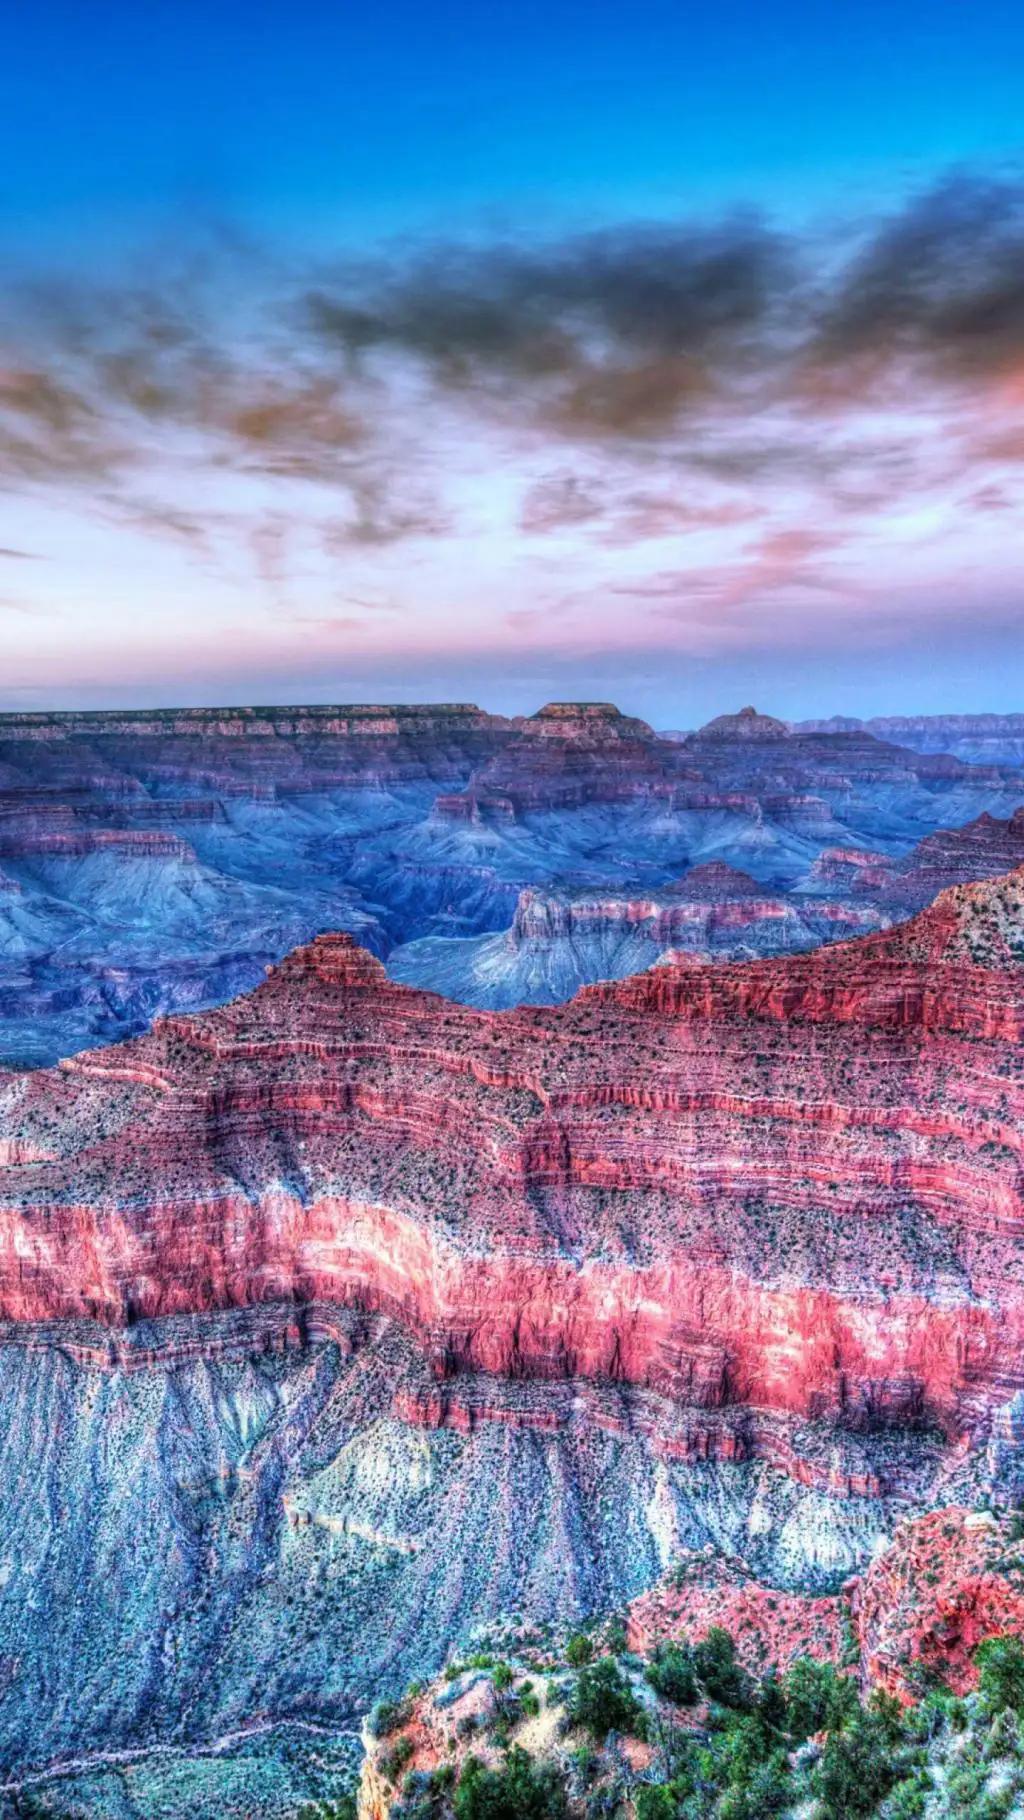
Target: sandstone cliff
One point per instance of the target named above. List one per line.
(794, 1184)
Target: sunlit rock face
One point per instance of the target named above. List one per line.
(343, 1319)
(748, 724)
(563, 938)
(736, 1183)
(152, 863)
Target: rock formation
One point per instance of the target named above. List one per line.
(564, 937)
(793, 1184)
(342, 1319)
(747, 724)
(156, 862)
(898, 885)
(980, 739)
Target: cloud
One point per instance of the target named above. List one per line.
(782, 562)
(616, 516)
(610, 334)
(641, 382)
(939, 286)
(561, 501)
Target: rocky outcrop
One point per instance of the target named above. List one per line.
(948, 1580)
(747, 724)
(898, 885)
(568, 754)
(746, 763)
(127, 843)
(794, 1185)
(410, 825)
(562, 938)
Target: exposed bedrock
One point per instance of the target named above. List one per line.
(155, 862)
(793, 1185)
(252, 1523)
(977, 738)
(562, 938)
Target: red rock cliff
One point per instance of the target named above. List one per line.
(794, 1183)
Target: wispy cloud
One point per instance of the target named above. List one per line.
(714, 420)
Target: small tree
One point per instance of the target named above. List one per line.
(670, 1673)
(719, 1672)
(579, 1651)
(856, 1770)
(817, 1698)
(1000, 1664)
(604, 1702)
(521, 1790)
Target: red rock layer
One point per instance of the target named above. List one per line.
(983, 848)
(574, 753)
(128, 843)
(946, 1581)
(240, 751)
(771, 1628)
(713, 907)
(794, 1184)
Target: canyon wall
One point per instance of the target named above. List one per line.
(793, 1184)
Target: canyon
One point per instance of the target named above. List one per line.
(978, 738)
(159, 861)
(536, 1156)
(666, 1182)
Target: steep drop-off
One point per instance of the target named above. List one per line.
(794, 1184)
(342, 1320)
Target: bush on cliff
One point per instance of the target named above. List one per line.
(670, 1673)
(1001, 1674)
(520, 1790)
(817, 1698)
(803, 1746)
(719, 1672)
(603, 1701)
(859, 1766)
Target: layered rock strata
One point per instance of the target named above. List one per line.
(793, 1185)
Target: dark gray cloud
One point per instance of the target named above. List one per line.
(716, 345)
(629, 332)
(600, 334)
(939, 284)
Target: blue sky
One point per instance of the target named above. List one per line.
(422, 436)
(368, 118)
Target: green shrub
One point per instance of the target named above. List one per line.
(766, 1789)
(656, 1804)
(604, 1702)
(817, 1698)
(386, 1717)
(1000, 1664)
(856, 1770)
(520, 1790)
(393, 1761)
(718, 1671)
(579, 1651)
(670, 1673)
(615, 1636)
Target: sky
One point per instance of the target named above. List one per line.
(670, 354)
